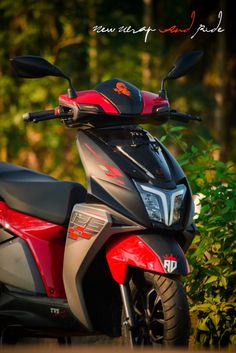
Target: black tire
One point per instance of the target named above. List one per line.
(160, 311)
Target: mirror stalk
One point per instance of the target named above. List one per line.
(71, 91)
(182, 65)
(163, 91)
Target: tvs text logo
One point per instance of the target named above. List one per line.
(170, 263)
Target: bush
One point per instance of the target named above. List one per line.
(211, 284)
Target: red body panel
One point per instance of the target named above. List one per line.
(46, 242)
(150, 100)
(90, 97)
(131, 250)
(93, 97)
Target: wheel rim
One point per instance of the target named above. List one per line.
(149, 316)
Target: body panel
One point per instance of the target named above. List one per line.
(46, 242)
(107, 181)
(153, 252)
(81, 250)
(18, 268)
(115, 158)
(90, 97)
(115, 102)
(37, 315)
(151, 100)
(123, 95)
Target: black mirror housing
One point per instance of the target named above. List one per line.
(183, 64)
(30, 66)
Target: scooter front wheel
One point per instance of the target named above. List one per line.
(160, 311)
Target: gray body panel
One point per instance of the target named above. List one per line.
(107, 181)
(80, 253)
(18, 268)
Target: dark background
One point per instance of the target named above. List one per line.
(62, 33)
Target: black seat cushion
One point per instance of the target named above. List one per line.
(38, 194)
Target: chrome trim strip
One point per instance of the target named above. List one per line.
(135, 162)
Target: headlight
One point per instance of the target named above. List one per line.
(153, 206)
(162, 205)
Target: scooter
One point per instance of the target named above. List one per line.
(107, 260)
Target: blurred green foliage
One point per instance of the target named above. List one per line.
(211, 283)
(62, 33)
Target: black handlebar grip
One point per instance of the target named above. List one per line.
(38, 115)
(182, 117)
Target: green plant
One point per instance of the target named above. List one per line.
(211, 283)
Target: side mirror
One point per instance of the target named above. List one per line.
(182, 65)
(30, 66)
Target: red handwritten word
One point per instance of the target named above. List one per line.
(175, 29)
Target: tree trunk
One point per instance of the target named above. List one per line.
(147, 21)
(230, 85)
(220, 96)
(92, 42)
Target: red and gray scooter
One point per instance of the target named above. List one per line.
(108, 259)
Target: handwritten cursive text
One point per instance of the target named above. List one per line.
(203, 28)
(173, 29)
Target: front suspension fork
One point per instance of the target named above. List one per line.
(129, 311)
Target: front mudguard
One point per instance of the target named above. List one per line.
(152, 252)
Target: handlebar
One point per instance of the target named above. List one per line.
(43, 115)
(182, 117)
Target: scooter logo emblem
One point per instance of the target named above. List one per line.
(84, 226)
(79, 232)
(121, 88)
(170, 263)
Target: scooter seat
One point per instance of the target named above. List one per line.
(38, 194)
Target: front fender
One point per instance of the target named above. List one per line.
(153, 252)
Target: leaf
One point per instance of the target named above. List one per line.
(203, 325)
(194, 149)
(215, 318)
(163, 138)
(233, 340)
(200, 250)
(177, 128)
(223, 282)
(211, 279)
(203, 307)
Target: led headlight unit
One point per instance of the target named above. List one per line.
(162, 205)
